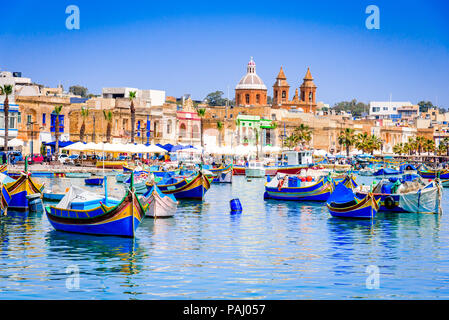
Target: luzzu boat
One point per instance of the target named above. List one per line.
(160, 205)
(407, 194)
(97, 215)
(432, 174)
(344, 204)
(192, 187)
(21, 188)
(5, 197)
(270, 170)
(284, 187)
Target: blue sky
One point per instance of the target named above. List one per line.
(198, 47)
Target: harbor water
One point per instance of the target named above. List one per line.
(270, 250)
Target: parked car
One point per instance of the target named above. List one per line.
(62, 158)
(37, 158)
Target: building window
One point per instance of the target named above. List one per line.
(29, 118)
(238, 99)
(257, 98)
(247, 98)
(43, 118)
(284, 94)
(19, 118)
(182, 130)
(168, 126)
(195, 132)
(275, 94)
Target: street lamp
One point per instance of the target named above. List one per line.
(30, 126)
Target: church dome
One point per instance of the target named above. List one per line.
(251, 80)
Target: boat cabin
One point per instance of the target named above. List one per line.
(255, 164)
(295, 158)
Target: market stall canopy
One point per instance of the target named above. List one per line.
(14, 142)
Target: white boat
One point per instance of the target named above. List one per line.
(224, 177)
(255, 169)
(160, 205)
(366, 172)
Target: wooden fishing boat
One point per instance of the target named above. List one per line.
(5, 199)
(192, 187)
(4, 168)
(284, 187)
(160, 205)
(405, 196)
(270, 170)
(21, 188)
(224, 176)
(97, 181)
(48, 196)
(105, 218)
(344, 204)
(443, 174)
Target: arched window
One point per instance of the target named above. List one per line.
(257, 98)
(182, 130)
(284, 94)
(275, 94)
(238, 99)
(247, 98)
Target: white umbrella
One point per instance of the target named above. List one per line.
(15, 143)
(152, 148)
(319, 152)
(77, 146)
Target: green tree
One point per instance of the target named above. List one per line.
(346, 139)
(215, 98)
(424, 106)
(304, 134)
(84, 115)
(79, 90)
(354, 107)
(399, 148)
(57, 112)
(6, 90)
(132, 96)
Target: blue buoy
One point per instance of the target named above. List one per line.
(235, 205)
(268, 178)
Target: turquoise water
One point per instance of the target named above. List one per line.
(272, 250)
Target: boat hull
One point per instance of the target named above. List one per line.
(120, 220)
(160, 206)
(365, 209)
(194, 188)
(19, 190)
(317, 192)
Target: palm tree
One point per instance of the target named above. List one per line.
(201, 113)
(412, 145)
(220, 127)
(420, 141)
(399, 148)
(57, 112)
(361, 141)
(132, 96)
(429, 145)
(346, 138)
(304, 134)
(442, 149)
(446, 144)
(84, 115)
(108, 117)
(6, 90)
(373, 143)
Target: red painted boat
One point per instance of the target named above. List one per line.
(270, 171)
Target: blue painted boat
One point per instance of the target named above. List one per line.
(94, 181)
(344, 204)
(48, 196)
(386, 172)
(292, 188)
(99, 217)
(21, 188)
(193, 187)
